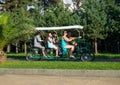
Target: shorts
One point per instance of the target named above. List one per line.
(51, 45)
(38, 46)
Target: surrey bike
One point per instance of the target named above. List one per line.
(83, 50)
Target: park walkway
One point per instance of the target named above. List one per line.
(10, 79)
(58, 77)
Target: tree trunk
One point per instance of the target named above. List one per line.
(16, 47)
(106, 50)
(25, 47)
(96, 46)
(2, 56)
(118, 46)
(8, 48)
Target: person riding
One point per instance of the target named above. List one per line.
(69, 35)
(50, 42)
(55, 37)
(38, 43)
(65, 44)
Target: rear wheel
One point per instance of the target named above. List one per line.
(29, 56)
(87, 57)
(32, 57)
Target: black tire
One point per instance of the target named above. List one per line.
(87, 57)
(30, 57)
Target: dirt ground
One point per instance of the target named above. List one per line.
(56, 80)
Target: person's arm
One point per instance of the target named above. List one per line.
(39, 39)
(53, 40)
(75, 37)
(50, 39)
(68, 39)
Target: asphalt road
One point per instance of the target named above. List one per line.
(9, 79)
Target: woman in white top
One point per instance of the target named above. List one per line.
(50, 42)
(37, 43)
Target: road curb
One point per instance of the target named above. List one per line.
(57, 72)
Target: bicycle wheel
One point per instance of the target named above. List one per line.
(87, 57)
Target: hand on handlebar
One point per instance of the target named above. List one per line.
(72, 38)
(80, 37)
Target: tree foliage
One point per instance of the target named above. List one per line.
(100, 18)
(14, 24)
(7, 29)
(94, 18)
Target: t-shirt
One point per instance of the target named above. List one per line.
(37, 40)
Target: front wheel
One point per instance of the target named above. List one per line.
(32, 56)
(87, 57)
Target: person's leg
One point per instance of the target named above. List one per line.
(43, 50)
(58, 46)
(56, 49)
(71, 47)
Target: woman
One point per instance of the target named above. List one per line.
(37, 43)
(51, 42)
(66, 46)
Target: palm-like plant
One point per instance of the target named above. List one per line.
(3, 40)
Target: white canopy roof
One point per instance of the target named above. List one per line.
(60, 28)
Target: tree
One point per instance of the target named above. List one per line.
(56, 16)
(23, 21)
(7, 31)
(94, 19)
(14, 5)
(113, 28)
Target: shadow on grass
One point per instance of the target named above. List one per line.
(108, 57)
(98, 58)
(23, 57)
(16, 56)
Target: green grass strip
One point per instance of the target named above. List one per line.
(62, 65)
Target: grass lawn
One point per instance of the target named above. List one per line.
(78, 65)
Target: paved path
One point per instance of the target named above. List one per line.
(9, 79)
(61, 72)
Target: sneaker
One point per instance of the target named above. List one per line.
(57, 56)
(45, 56)
(71, 56)
(60, 53)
